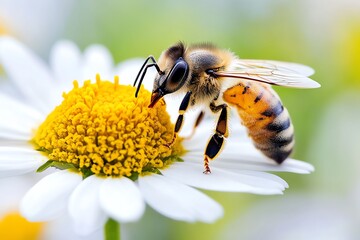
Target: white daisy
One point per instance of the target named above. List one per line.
(15, 227)
(112, 147)
(313, 216)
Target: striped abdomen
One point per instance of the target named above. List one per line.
(266, 119)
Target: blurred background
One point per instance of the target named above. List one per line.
(322, 34)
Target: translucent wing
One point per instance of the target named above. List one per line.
(271, 72)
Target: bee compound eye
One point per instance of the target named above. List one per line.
(177, 75)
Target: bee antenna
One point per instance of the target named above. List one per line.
(143, 69)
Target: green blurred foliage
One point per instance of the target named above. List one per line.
(139, 28)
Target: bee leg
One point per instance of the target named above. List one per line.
(197, 123)
(216, 142)
(179, 122)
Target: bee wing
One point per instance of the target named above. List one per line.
(272, 72)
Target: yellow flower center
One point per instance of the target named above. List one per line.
(103, 129)
(15, 227)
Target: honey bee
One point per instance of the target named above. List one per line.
(218, 79)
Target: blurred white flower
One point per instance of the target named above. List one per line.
(94, 199)
(38, 23)
(13, 226)
(295, 217)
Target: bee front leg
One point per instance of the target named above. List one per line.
(179, 122)
(216, 142)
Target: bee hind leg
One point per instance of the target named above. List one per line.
(179, 122)
(216, 142)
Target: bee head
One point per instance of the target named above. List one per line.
(170, 82)
(172, 70)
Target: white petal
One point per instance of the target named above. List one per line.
(237, 132)
(65, 59)
(178, 201)
(29, 73)
(190, 116)
(299, 166)
(66, 62)
(17, 120)
(97, 59)
(16, 161)
(13, 189)
(60, 229)
(18, 111)
(12, 133)
(84, 206)
(48, 198)
(16, 143)
(263, 175)
(222, 180)
(251, 163)
(121, 199)
(18, 155)
(7, 87)
(244, 156)
(234, 144)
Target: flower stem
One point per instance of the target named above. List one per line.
(112, 230)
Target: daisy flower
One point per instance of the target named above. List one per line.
(108, 149)
(10, 218)
(15, 227)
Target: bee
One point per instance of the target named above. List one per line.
(218, 79)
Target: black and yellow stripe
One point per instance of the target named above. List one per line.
(265, 117)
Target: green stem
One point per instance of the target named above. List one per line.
(112, 230)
